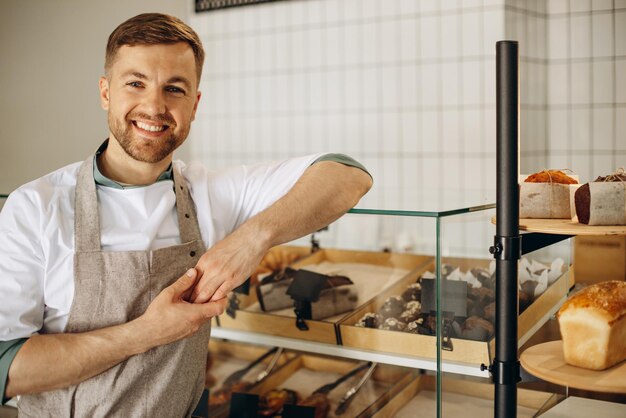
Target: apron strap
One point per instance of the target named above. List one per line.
(186, 210)
(86, 216)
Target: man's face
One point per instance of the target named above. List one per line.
(151, 97)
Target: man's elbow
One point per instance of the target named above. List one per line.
(358, 184)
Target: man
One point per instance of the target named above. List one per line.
(106, 284)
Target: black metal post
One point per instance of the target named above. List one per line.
(507, 242)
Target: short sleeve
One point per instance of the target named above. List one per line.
(8, 351)
(21, 266)
(264, 184)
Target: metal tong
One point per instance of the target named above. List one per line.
(350, 394)
(239, 374)
(330, 386)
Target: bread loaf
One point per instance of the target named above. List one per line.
(593, 326)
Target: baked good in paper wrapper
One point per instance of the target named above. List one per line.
(603, 201)
(546, 195)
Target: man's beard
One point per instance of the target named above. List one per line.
(152, 151)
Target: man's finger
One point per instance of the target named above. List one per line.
(211, 309)
(204, 289)
(184, 282)
(221, 293)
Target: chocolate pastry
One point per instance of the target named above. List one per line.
(582, 196)
(481, 274)
(410, 315)
(527, 294)
(489, 313)
(412, 293)
(273, 401)
(475, 307)
(393, 324)
(414, 304)
(446, 269)
(392, 308)
(369, 320)
(477, 329)
(481, 295)
(414, 326)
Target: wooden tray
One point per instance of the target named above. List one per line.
(306, 373)
(229, 357)
(546, 362)
(464, 351)
(282, 323)
(567, 227)
(460, 397)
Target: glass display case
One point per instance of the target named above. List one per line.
(424, 289)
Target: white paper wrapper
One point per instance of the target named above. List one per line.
(545, 200)
(608, 203)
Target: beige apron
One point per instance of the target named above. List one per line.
(113, 288)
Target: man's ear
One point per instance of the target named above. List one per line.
(195, 106)
(104, 92)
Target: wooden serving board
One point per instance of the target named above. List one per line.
(546, 362)
(567, 227)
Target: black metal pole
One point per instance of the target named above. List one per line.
(507, 242)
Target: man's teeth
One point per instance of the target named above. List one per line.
(151, 128)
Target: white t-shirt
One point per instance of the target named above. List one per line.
(37, 230)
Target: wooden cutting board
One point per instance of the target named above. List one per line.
(546, 362)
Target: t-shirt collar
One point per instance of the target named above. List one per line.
(102, 180)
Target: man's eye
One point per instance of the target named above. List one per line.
(134, 84)
(173, 89)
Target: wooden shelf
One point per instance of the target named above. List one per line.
(566, 227)
(546, 362)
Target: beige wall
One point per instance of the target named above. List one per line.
(51, 55)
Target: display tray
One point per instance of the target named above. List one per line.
(250, 317)
(567, 227)
(306, 373)
(460, 398)
(424, 346)
(546, 361)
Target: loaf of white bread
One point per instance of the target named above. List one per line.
(593, 326)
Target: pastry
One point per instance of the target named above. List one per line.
(478, 329)
(273, 401)
(601, 202)
(546, 195)
(593, 326)
(393, 324)
(413, 292)
(369, 320)
(392, 308)
(550, 176)
(410, 314)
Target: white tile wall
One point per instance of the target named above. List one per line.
(408, 87)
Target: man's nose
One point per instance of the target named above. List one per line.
(154, 102)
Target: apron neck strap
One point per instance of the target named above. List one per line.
(86, 216)
(185, 209)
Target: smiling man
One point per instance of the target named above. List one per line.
(111, 268)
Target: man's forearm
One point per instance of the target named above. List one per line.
(323, 193)
(54, 361)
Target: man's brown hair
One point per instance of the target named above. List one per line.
(153, 29)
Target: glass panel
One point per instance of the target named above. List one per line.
(467, 303)
(428, 200)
